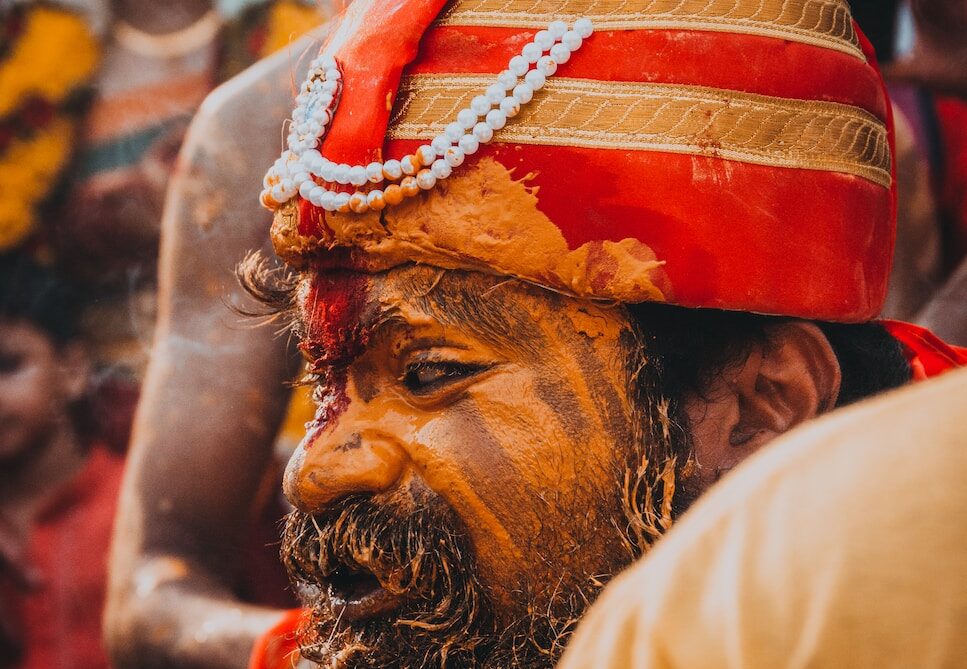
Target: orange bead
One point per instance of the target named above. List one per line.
(410, 164)
(392, 170)
(357, 202)
(409, 186)
(393, 194)
(425, 155)
(376, 199)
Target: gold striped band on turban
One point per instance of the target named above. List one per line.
(695, 120)
(822, 23)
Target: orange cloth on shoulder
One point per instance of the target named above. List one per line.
(278, 648)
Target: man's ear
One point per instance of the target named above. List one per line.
(789, 378)
(795, 377)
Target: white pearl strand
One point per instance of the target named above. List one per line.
(315, 106)
(295, 170)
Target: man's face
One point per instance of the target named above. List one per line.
(33, 391)
(464, 472)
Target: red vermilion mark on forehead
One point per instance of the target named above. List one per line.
(338, 314)
(311, 221)
(334, 313)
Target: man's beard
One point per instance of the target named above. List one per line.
(446, 618)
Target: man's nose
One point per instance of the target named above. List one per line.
(352, 456)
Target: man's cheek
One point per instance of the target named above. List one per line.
(458, 461)
(499, 465)
(540, 429)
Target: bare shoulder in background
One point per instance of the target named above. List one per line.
(213, 397)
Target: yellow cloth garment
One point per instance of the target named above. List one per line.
(843, 544)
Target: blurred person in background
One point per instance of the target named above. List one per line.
(94, 99)
(174, 598)
(180, 595)
(58, 479)
(84, 177)
(937, 66)
(160, 60)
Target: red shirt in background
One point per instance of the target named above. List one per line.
(68, 553)
(952, 120)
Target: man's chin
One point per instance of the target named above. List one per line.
(371, 627)
(360, 635)
(391, 587)
(333, 639)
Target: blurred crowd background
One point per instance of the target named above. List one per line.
(95, 97)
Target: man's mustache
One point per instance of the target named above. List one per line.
(418, 553)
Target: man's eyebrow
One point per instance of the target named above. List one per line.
(480, 310)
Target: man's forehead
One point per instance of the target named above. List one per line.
(340, 310)
(336, 313)
(346, 297)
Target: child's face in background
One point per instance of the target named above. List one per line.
(38, 381)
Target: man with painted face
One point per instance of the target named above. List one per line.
(535, 245)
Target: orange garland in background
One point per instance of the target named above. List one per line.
(28, 169)
(289, 20)
(54, 55)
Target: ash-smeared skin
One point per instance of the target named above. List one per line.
(523, 450)
(213, 381)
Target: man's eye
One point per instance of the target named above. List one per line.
(425, 377)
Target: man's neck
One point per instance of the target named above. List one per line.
(159, 18)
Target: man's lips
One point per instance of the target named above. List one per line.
(358, 596)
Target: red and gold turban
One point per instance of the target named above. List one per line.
(733, 154)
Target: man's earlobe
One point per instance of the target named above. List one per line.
(795, 376)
